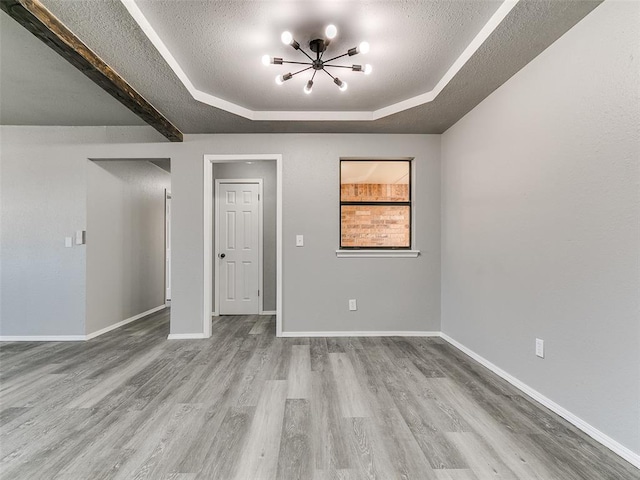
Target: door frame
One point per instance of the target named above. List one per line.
(167, 241)
(216, 250)
(207, 246)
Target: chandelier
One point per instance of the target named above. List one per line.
(318, 46)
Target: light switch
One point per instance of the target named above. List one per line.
(68, 242)
(80, 236)
(299, 240)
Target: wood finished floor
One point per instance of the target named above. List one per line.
(246, 405)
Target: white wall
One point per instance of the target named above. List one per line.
(541, 223)
(125, 240)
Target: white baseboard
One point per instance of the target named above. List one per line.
(264, 312)
(590, 430)
(185, 336)
(124, 322)
(42, 338)
(76, 338)
(363, 334)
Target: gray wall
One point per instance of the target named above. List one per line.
(541, 223)
(42, 202)
(266, 170)
(125, 240)
(317, 285)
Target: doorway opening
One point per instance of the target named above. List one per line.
(242, 236)
(128, 231)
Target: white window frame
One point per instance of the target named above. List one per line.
(387, 252)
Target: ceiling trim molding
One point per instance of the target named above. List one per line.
(294, 115)
(34, 17)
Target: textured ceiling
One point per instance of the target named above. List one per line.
(38, 87)
(413, 44)
(108, 28)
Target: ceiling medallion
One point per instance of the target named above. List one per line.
(318, 46)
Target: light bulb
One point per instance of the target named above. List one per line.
(367, 69)
(280, 79)
(331, 31)
(286, 38)
(308, 87)
(343, 87)
(363, 47)
(266, 60)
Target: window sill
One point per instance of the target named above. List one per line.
(377, 253)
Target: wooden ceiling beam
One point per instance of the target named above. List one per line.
(34, 16)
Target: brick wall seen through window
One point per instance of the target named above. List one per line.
(375, 204)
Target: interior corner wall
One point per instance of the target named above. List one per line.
(125, 250)
(43, 194)
(540, 223)
(265, 170)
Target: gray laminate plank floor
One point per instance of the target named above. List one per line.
(246, 405)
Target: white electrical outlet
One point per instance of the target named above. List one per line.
(299, 240)
(68, 242)
(540, 347)
(353, 305)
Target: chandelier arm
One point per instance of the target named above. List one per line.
(339, 66)
(314, 75)
(306, 54)
(298, 63)
(325, 71)
(300, 71)
(335, 58)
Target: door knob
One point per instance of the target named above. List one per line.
(222, 255)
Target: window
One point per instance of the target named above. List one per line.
(375, 204)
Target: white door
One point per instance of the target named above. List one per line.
(238, 248)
